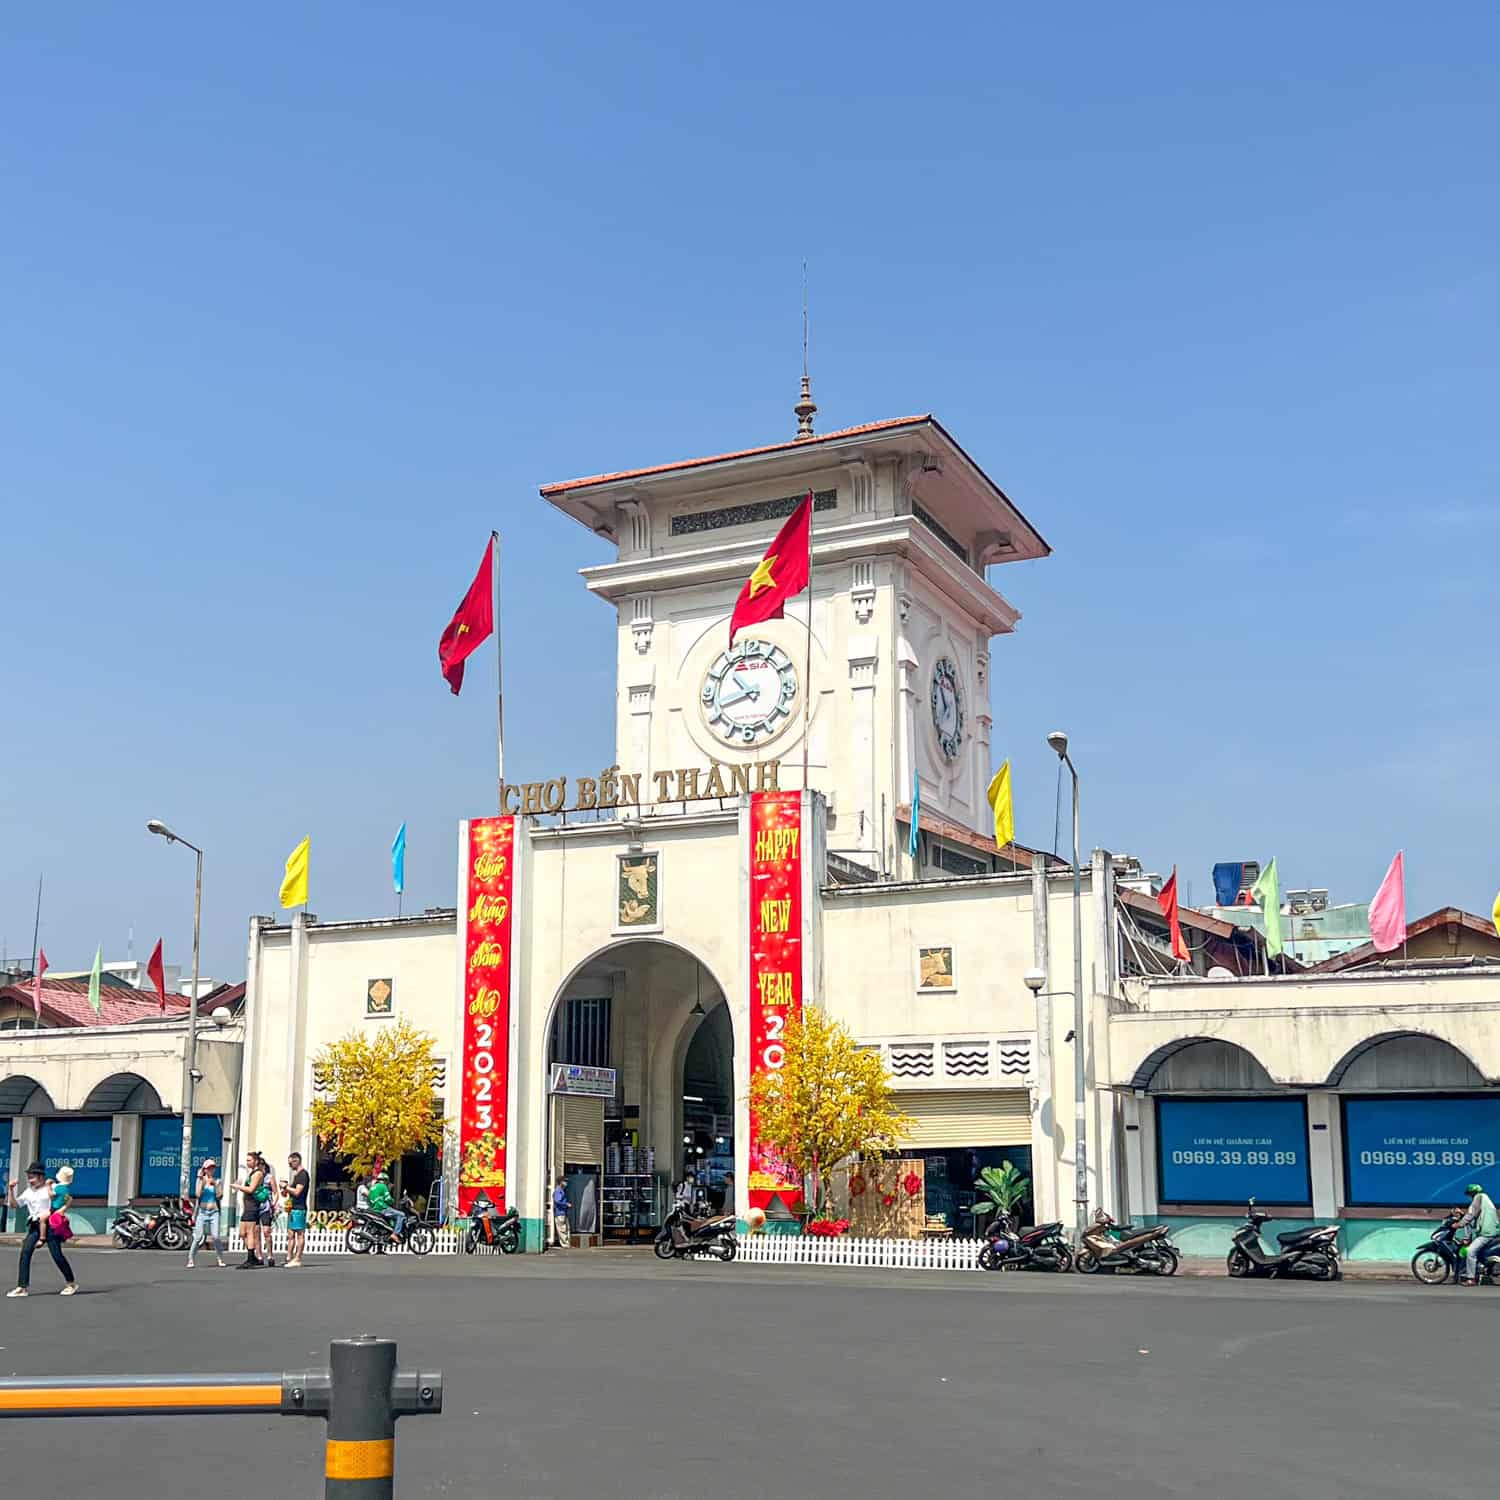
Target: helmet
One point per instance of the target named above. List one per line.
(1473, 1188)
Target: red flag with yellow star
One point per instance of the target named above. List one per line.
(782, 572)
(472, 623)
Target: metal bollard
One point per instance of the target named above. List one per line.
(360, 1395)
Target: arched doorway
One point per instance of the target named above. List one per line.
(639, 1088)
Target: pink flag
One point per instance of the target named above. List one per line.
(36, 988)
(1388, 909)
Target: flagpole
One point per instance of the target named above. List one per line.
(36, 926)
(499, 676)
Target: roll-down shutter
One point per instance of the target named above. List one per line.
(966, 1117)
(583, 1131)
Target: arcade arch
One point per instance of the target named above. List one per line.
(653, 1012)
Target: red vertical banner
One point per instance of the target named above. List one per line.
(775, 967)
(487, 931)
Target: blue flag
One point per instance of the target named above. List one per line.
(398, 860)
(1227, 881)
(916, 812)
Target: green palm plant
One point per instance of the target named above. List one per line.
(1000, 1189)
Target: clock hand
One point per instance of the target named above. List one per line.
(751, 689)
(725, 700)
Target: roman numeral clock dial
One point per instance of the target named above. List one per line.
(749, 693)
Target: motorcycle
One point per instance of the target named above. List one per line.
(696, 1239)
(369, 1231)
(1006, 1248)
(1312, 1253)
(1442, 1256)
(1108, 1246)
(490, 1229)
(169, 1228)
(174, 1225)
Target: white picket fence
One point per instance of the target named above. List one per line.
(938, 1254)
(330, 1241)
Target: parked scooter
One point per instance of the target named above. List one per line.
(1313, 1253)
(1441, 1257)
(169, 1228)
(489, 1229)
(1007, 1248)
(174, 1225)
(133, 1230)
(693, 1239)
(1108, 1246)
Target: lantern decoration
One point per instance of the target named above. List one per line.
(857, 1185)
(913, 1184)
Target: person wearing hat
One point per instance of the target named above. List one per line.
(207, 1193)
(1481, 1214)
(36, 1199)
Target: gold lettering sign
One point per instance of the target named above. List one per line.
(615, 788)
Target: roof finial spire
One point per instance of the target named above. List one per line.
(806, 408)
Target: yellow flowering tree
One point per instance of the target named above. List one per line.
(375, 1096)
(829, 1101)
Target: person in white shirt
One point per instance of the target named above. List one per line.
(36, 1199)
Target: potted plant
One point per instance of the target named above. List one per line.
(1000, 1190)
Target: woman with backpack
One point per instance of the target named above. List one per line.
(253, 1193)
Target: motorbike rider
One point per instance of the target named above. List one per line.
(380, 1203)
(1486, 1224)
(686, 1197)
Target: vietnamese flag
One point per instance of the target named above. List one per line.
(782, 572)
(1166, 898)
(472, 623)
(158, 975)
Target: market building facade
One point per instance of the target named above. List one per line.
(627, 944)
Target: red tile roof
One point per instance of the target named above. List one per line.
(66, 1003)
(719, 458)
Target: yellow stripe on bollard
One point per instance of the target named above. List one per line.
(373, 1459)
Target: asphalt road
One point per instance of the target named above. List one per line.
(608, 1374)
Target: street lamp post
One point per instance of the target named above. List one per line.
(189, 1052)
(1058, 740)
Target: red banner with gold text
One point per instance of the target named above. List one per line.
(775, 966)
(487, 933)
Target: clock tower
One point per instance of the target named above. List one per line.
(879, 673)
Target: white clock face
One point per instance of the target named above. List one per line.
(749, 693)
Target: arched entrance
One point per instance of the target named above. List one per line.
(640, 1086)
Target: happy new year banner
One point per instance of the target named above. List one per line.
(775, 965)
(488, 930)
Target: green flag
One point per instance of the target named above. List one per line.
(94, 982)
(1267, 890)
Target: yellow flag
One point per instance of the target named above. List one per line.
(294, 882)
(1000, 805)
(1495, 914)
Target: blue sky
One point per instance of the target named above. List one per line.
(296, 307)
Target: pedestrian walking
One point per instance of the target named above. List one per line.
(36, 1199)
(206, 1196)
(560, 1206)
(250, 1186)
(297, 1188)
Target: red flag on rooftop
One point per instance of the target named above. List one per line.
(782, 572)
(472, 623)
(36, 983)
(1166, 898)
(158, 975)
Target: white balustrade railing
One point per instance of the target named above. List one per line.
(937, 1254)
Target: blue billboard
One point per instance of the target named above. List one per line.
(1228, 1150)
(161, 1152)
(1405, 1150)
(83, 1145)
